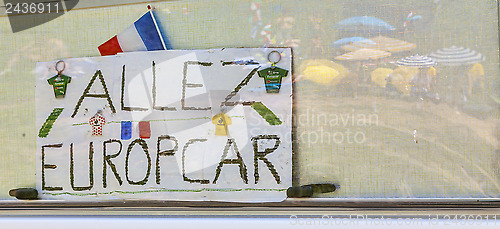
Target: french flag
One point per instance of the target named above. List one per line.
(143, 35)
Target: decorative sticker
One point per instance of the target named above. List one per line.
(144, 130)
(126, 130)
(221, 122)
(96, 122)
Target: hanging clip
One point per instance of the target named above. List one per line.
(273, 63)
(59, 72)
(309, 190)
(24, 193)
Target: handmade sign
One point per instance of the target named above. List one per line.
(166, 125)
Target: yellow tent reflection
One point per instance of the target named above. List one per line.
(379, 76)
(322, 71)
(401, 78)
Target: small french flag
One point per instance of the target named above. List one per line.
(143, 35)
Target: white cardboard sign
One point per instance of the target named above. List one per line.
(168, 125)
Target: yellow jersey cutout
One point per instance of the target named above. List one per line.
(221, 122)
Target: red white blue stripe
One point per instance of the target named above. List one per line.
(143, 35)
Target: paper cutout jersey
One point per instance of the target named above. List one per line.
(126, 130)
(221, 122)
(272, 78)
(144, 130)
(60, 83)
(97, 121)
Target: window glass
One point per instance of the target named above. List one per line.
(392, 98)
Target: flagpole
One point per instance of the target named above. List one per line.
(150, 9)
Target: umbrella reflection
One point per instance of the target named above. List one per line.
(382, 43)
(365, 25)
